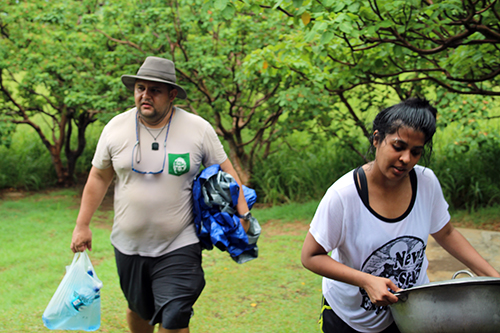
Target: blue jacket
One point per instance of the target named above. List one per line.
(215, 195)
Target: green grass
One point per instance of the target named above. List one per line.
(287, 213)
(273, 293)
(270, 294)
(485, 218)
(35, 235)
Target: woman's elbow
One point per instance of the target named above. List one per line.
(307, 258)
(304, 259)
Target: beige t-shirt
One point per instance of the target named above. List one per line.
(153, 212)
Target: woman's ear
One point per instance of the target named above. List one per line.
(376, 138)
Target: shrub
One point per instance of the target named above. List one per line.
(303, 175)
(468, 173)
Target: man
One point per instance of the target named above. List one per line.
(155, 151)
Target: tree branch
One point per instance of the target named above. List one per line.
(119, 41)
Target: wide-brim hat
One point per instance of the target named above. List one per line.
(157, 70)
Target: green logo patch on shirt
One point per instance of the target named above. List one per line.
(178, 164)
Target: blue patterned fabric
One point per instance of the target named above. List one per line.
(215, 195)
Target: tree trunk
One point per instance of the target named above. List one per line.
(61, 171)
(237, 157)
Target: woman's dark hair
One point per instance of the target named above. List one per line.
(414, 113)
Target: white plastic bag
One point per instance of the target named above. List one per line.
(76, 304)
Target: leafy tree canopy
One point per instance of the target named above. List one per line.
(52, 77)
(210, 46)
(451, 43)
(361, 54)
(257, 70)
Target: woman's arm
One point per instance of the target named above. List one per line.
(316, 259)
(458, 246)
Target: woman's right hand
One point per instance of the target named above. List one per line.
(380, 290)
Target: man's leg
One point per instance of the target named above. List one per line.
(181, 330)
(177, 284)
(133, 271)
(137, 324)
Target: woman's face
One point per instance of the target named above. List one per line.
(398, 153)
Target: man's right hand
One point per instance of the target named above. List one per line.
(93, 193)
(82, 239)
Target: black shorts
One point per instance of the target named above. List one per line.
(162, 289)
(330, 322)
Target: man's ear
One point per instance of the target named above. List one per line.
(172, 94)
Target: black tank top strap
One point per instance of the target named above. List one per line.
(361, 185)
(362, 188)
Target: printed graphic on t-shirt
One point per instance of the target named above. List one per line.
(178, 164)
(399, 260)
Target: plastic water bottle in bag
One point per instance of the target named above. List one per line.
(84, 297)
(73, 305)
(76, 305)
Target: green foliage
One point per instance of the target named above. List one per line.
(6, 131)
(468, 148)
(209, 45)
(348, 53)
(299, 175)
(481, 218)
(260, 74)
(53, 78)
(467, 171)
(25, 164)
(451, 44)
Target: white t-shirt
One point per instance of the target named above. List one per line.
(362, 240)
(153, 212)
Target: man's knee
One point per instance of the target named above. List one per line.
(176, 315)
(138, 324)
(164, 330)
(131, 313)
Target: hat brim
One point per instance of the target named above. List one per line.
(129, 82)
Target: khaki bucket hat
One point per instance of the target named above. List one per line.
(157, 70)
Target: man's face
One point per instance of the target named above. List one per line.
(153, 100)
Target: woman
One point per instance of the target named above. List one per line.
(376, 221)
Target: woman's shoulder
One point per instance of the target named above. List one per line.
(424, 172)
(344, 184)
(425, 176)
